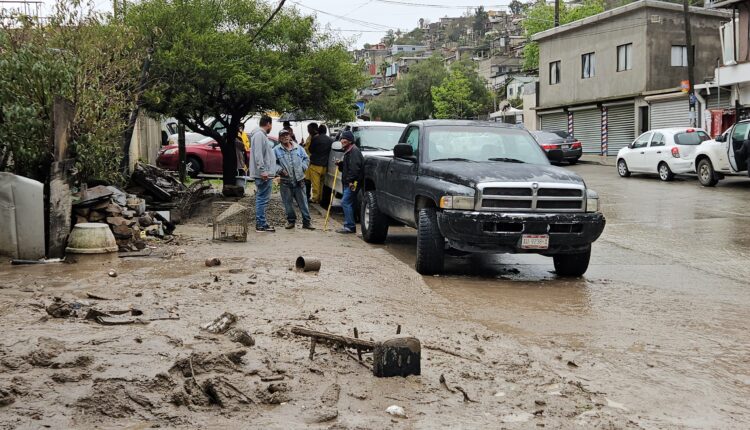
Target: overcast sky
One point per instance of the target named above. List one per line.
(366, 21)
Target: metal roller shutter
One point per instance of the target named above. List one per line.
(621, 127)
(712, 100)
(554, 121)
(587, 128)
(670, 113)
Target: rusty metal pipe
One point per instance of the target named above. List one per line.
(307, 264)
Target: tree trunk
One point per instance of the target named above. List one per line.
(229, 155)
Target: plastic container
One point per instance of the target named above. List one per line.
(91, 238)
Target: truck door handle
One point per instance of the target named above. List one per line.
(642, 152)
(658, 152)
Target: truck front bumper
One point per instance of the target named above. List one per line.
(498, 232)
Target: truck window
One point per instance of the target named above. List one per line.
(740, 131)
(377, 138)
(412, 138)
(482, 144)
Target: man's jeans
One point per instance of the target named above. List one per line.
(262, 196)
(348, 202)
(291, 192)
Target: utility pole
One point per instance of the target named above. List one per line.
(557, 13)
(691, 62)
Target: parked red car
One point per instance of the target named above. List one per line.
(202, 157)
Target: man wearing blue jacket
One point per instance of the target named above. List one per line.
(293, 162)
(263, 169)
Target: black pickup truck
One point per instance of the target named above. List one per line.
(479, 187)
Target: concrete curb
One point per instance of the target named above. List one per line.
(597, 159)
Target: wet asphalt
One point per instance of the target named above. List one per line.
(661, 319)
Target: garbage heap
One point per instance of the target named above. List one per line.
(125, 214)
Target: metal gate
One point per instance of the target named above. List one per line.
(670, 113)
(587, 128)
(554, 121)
(620, 127)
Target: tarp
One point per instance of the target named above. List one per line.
(22, 215)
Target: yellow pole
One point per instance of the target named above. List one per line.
(333, 195)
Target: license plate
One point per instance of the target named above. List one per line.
(534, 241)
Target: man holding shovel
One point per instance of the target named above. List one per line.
(352, 170)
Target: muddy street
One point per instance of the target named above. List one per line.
(660, 318)
(654, 336)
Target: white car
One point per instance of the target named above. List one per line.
(372, 137)
(716, 158)
(666, 152)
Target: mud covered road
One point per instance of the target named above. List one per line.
(655, 335)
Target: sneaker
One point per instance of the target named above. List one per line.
(345, 231)
(265, 229)
(289, 225)
(308, 227)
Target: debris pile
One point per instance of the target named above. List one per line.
(163, 191)
(124, 213)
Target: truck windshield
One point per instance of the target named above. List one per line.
(377, 138)
(482, 144)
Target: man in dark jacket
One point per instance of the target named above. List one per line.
(320, 149)
(352, 170)
(744, 154)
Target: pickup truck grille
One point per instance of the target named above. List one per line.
(531, 197)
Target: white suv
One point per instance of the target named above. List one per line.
(716, 158)
(665, 151)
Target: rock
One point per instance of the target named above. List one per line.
(96, 216)
(278, 387)
(81, 219)
(397, 357)
(331, 395)
(112, 274)
(211, 262)
(84, 212)
(113, 209)
(6, 397)
(128, 213)
(116, 220)
(396, 411)
(122, 231)
(241, 336)
(323, 415)
(145, 220)
(221, 324)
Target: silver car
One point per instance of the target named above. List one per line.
(372, 138)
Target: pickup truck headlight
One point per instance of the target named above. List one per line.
(457, 202)
(592, 201)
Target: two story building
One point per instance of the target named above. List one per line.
(734, 69)
(611, 76)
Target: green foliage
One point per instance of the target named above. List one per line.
(541, 17)
(462, 95)
(414, 37)
(516, 7)
(76, 55)
(413, 98)
(206, 63)
(481, 18)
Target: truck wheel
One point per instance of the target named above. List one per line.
(326, 196)
(430, 243)
(665, 173)
(622, 168)
(374, 223)
(706, 173)
(572, 265)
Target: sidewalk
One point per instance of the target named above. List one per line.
(597, 159)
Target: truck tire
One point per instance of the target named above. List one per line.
(374, 223)
(430, 243)
(572, 265)
(706, 173)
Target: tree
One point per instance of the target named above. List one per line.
(453, 98)
(413, 98)
(211, 60)
(541, 17)
(481, 18)
(79, 55)
(516, 7)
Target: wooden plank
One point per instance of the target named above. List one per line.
(349, 342)
(63, 112)
(60, 208)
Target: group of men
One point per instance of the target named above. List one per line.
(298, 170)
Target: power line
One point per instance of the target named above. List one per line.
(370, 25)
(439, 6)
(262, 27)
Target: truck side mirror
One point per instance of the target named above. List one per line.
(721, 138)
(403, 150)
(337, 146)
